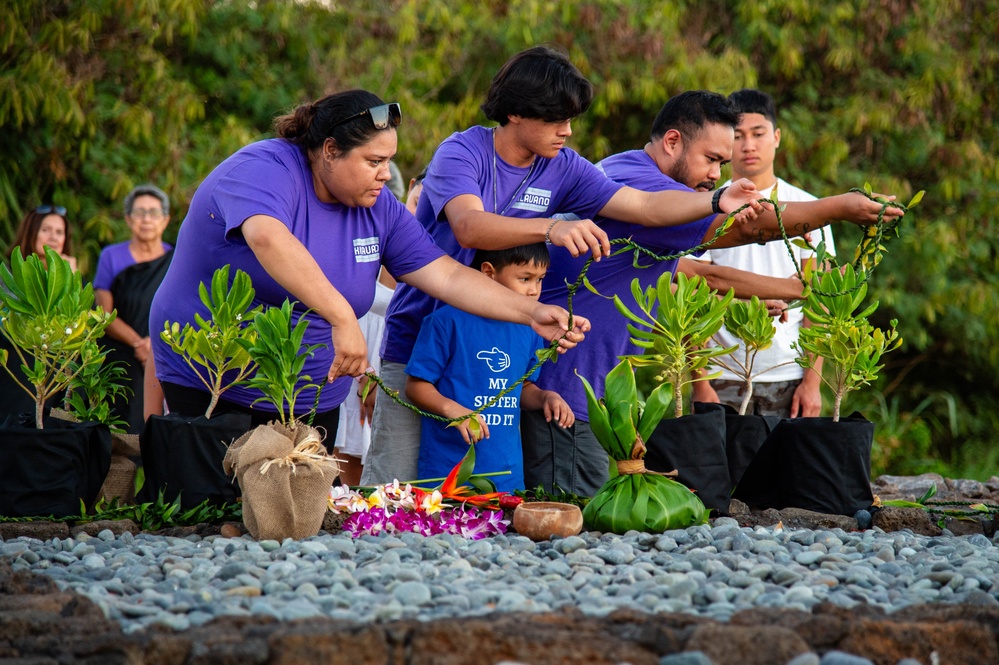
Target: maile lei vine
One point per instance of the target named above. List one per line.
(867, 257)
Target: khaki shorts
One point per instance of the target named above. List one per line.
(395, 433)
(769, 399)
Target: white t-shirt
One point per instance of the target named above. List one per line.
(353, 438)
(772, 259)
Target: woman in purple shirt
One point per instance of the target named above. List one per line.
(307, 216)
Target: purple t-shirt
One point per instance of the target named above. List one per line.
(273, 178)
(115, 258)
(466, 163)
(609, 338)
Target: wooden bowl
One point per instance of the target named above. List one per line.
(541, 520)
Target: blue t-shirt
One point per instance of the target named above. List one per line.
(609, 337)
(350, 244)
(466, 163)
(471, 359)
(113, 259)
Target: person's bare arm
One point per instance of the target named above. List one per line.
(673, 207)
(426, 396)
(293, 267)
(550, 402)
(800, 217)
(121, 331)
(473, 292)
(745, 283)
(474, 227)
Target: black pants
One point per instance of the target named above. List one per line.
(193, 402)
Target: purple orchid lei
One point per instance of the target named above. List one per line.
(395, 508)
(465, 522)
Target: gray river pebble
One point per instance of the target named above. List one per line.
(144, 580)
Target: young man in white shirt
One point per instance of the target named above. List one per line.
(787, 390)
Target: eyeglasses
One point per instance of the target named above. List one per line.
(152, 213)
(48, 210)
(381, 116)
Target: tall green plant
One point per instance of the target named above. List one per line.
(850, 345)
(219, 343)
(675, 333)
(49, 317)
(280, 357)
(96, 383)
(750, 322)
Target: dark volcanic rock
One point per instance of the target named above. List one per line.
(892, 518)
(40, 624)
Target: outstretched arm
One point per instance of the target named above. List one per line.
(800, 217)
(745, 283)
(474, 227)
(673, 207)
(471, 291)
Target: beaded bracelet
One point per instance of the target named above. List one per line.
(548, 233)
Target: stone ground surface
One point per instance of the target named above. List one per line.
(41, 625)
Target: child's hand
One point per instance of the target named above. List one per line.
(470, 437)
(557, 410)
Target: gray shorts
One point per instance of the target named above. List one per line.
(568, 457)
(768, 399)
(395, 433)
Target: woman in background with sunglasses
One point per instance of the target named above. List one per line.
(44, 226)
(308, 217)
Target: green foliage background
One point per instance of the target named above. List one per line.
(98, 96)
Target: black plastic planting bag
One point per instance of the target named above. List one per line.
(694, 445)
(814, 464)
(48, 471)
(744, 436)
(183, 455)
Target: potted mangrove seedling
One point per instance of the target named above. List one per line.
(634, 498)
(750, 322)
(48, 465)
(90, 397)
(182, 455)
(283, 468)
(674, 323)
(823, 464)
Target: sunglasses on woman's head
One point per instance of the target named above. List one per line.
(48, 210)
(381, 116)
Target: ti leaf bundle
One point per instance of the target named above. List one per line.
(634, 498)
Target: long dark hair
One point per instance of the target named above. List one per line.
(27, 233)
(309, 125)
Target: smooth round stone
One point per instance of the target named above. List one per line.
(805, 659)
(687, 658)
(93, 561)
(841, 658)
(412, 593)
(808, 557)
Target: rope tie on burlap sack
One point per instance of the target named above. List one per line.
(309, 452)
(637, 462)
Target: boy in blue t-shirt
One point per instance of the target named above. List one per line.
(461, 361)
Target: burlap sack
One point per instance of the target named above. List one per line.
(285, 476)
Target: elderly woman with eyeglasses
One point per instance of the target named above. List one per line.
(46, 225)
(128, 274)
(308, 217)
